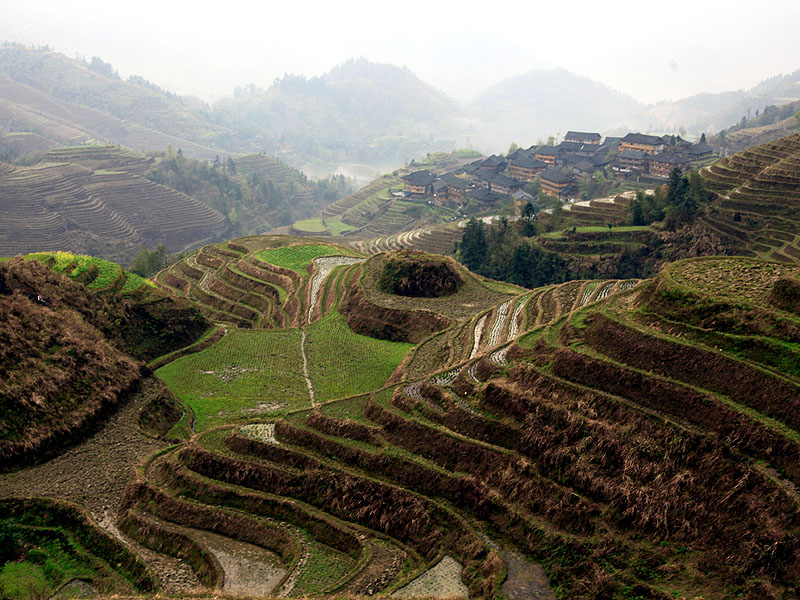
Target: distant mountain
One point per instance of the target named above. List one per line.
(71, 102)
(711, 112)
(545, 102)
(359, 111)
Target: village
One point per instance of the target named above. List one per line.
(636, 159)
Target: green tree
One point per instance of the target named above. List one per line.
(637, 211)
(528, 220)
(149, 262)
(473, 245)
(520, 269)
(512, 147)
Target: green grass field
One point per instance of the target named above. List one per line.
(344, 363)
(52, 557)
(297, 258)
(76, 264)
(324, 568)
(597, 229)
(246, 373)
(310, 225)
(338, 227)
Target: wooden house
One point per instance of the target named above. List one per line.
(547, 154)
(582, 137)
(556, 182)
(661, 165)
(525, 168)
(419, 183)
(649, 144)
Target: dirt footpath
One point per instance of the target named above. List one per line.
(94, 474)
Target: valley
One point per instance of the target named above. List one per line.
(569, 371)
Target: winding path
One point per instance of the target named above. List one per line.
(305, 367)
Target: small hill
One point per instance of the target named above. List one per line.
(419, 275)
(530, 107)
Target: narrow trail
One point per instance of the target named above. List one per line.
(94, 474)
(305, 369)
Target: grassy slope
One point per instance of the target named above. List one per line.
(244, 369)
(343, 363)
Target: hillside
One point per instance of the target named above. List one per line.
(538, 104)
(111, 201)
(75, 332)
(633, 439)
(711, 112)
(68, 102)
(773, 123)
(95, 199)
(364, 112)
(756, 208)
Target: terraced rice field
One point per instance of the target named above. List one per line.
(343, 363)
(632, 434)
(246, 373)
(296, 258)
(123, 210)
(756, 209)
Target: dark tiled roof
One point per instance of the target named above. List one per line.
(482, 195)
(641, 138)
(556, 176)
(632, 154)
(699, 149)
(496, 162)
(582, 136)
(455, 182)
(424, 178)
(528, 163)
(670, 158)
(504, 181)
(569, 147)
(547, 150)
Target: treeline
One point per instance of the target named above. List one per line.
(508, 252)
(251, 202)
(675, 205)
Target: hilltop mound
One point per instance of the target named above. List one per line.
(419, 275)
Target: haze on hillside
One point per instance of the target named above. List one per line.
(650, 51)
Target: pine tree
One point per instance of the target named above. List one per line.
(473, 245)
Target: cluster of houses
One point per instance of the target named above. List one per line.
(557, 167)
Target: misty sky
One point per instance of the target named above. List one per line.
(650, 50)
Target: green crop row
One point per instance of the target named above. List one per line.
(297, 258)
(344, 363)
(247, 371)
